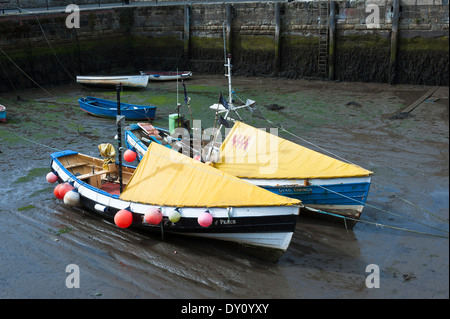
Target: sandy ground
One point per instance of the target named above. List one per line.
(409, 157)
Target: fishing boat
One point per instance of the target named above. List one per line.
(105, 108)
(167, 75)
(129, 81)
(2, 114)
(324, 184)
(139, 136)
(169, 192)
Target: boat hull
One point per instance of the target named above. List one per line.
(104, 108)
(263, 227)
(130, 81)
(2, 114)
(167, 76)
(344, 197)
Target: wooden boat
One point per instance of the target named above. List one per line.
(130, 81)
(105, 108)
(2, 114)
(139, 136)
(193, 198)
(326, 186)
(167, 75)
(323, 183)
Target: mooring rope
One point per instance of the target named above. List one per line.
(260, 115)
(375, 223)
(25, 73)
(381, 209)
(417, 206)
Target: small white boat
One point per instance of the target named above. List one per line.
(131, 81)
(167, 75)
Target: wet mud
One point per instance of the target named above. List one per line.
(40, 236)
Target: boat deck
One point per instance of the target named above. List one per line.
(112, 188)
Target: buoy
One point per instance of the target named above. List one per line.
(63, 189)
(205, 219)
(197, 157)
(174, 216)
(51, 177)
(129, 155)
(72, 198)
(123, 218)
(153, 216)
(56, 191)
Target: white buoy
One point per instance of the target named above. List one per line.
(72, 198)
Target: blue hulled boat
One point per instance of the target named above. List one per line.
(105, 108)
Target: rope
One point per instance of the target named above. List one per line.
(51, 48)
(380, 209)
(407, 201)
(25, 73)
(31, 141)
(337, 156)
(376, 224)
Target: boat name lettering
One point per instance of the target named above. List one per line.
(227, 221)
(294, 190)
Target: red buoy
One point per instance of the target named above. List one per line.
(153, 216)
(205, 219)
(56, 191)
(51, 177)
(129, 155)
(63, 189)
(123, 218)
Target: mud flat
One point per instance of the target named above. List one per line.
(408, 155)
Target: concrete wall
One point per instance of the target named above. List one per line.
(128, 39)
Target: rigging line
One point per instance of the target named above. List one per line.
(31, 141)
(51, 48)
(380, 209)
(306, 141)
(25, 73)
(407, 201)
(9, 79)
(377, 224)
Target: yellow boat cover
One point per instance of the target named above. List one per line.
(167, 178)
(248, 152)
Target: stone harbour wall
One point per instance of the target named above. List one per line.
(409, 45)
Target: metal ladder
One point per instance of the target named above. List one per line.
(324, 13)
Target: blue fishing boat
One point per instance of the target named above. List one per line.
(105, 108)
(139, 136)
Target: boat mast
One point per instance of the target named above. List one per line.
(119, 119)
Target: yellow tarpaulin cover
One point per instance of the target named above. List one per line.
(248, 152)
(167, 178)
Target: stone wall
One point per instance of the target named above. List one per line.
(265, 38)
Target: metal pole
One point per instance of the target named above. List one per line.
(119, 135)
(394, 43)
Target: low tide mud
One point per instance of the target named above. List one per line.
(409, 157)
